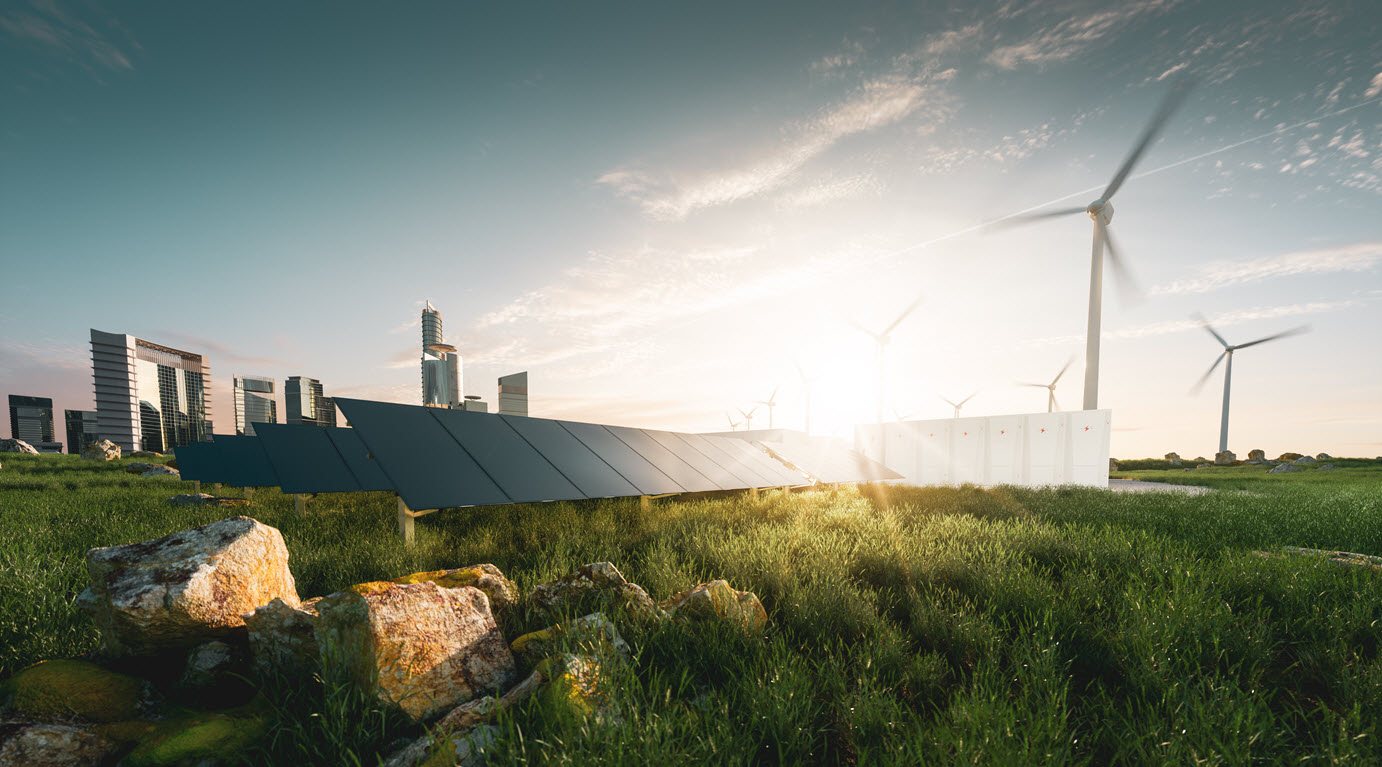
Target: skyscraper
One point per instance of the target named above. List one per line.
(513, 394)
(31, 419)
(254, 403)
(304, 404)
(149, 396)
(81, 428)
(441, 365)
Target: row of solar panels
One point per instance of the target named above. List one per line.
(438, 458)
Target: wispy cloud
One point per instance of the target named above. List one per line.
(219, 352)
(1219, 321)
(1069, 37)
(47, 27)
(1374, 87)
(830, 189)
(1358, 257)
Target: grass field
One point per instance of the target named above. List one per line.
(938, 625)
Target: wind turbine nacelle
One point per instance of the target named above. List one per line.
(1102, 209)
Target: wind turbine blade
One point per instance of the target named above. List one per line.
(1028, 218)
(1291, 332)
(855, 324)
(1070, 362)
(800, 372)
(966, 399)
(1163, 114)
(1204, 323)
(1128, 289)
(1200, 383)
(948, 402)
(772, 398)
(901, 317)
(1024, 383)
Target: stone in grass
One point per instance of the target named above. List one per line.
(464, 749)
(594, 631)
(418, 646)
(1256, 455)
(200, 738)
(1324, 457)
(17, 446)
(186, 588)
(145, 454)
(101, 450)
(1288, 456)
(1328, 466)
(599, 579)
(1342, 558)
(501, 591)
(1173, 457)
(577, 687)
(160, 471)
(214, 675)
(1305, 460)
(52, 745)
(135, 467)
(198, 499)
(283, 638)
(1204, 466)
(1224, 458)
(1283, 468)
(61, 689)
(717, 601)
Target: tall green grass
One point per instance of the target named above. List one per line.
(936, 625)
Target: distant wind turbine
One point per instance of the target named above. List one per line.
(962, 402)
(806, 382)
(748, 417)
(1101, 211)
(1228, 351)
(882, 338)
(771, 402)
(733, 425)
(900, 416)
(1051, 404)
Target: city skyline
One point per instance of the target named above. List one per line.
(720, 192)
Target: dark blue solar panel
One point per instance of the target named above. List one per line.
(586, 470)
(745, 474)
(521, 471)
(624, 459)
(365, 469)
(305, 459)
(761, 462)
(244, 460)
(200, 461)
(721, 477)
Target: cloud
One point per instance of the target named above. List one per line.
(218, 352)
(1358, 257)
(830, 189)
(1374, 87)
(1219, 321)
(51, 30)
(1069, 37)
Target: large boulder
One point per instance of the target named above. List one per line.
(101, 450)
(1172, 457)
(160, 471)
(186, 588)
(135, 467)
(1224, 458)
(283, 638)
(1288, 456)
(717, 601)
(501, 591)
(1257, 455)
(1283, 468)
(17, 446)
(591, 632)
(200, 738)
(26, 744)
(61, 689)
(419, 646)
(600, 580)
(1324, 457)
(1305, 460)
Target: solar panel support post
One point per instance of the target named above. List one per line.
(645, 502)
(753, 493)
(405, 522)
(299, 503)
(196, 487)
(249, 491)
(216, 488)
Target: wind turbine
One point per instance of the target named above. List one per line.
(733, 425)
(962, 402)
(900, 416)
(1051, 404)
(882, 338)
(807, 383)
(771, 402)
(1228, 351)
(1101, 211)
(748, 417)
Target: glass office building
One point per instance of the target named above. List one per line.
(149, 396)
(441, 364)
(31, 419)
(513, 394)
(254, 403)
(81, 429)
(304, 403)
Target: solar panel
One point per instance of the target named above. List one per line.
(244, 461)
(628, 462)
(305, 459)
(419, 456)
(722, 477)
(365, 470)
(200, 461)
(742, 471)
(578, 463)
(761, 462)
(521, 472)
(665, 460)
(831, 463)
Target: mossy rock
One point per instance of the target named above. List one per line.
(487, 578)
(573, 686)
(65, 688)
(592, 632)
(194, 737)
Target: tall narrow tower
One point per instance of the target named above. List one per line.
(441, 365)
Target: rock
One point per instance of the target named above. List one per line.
(145, 454)
(501, 591)
(459, 721)
(601, 580)
(136, 467)
(51, 745)
(199, 738)
(161, 471)
(1204, 466)
(1224, 458)
(1328, 466)
(1324, 457)
(1288, 456)
(1256, 455)
(283, 638)
(716, 600)
(198, 499)
(1175, 462)
(574, 688)
(1283, 468)
(594, 632)
(185, 588)
(171, 463)
(1172, 457)
(17, 446)
(466, 748)
(419, 646)
(1305, 460)
(1343, 558)
(56, 689)
(214, 673)
(101, 450)
(1112, 465)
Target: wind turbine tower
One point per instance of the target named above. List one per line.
(1227, 353)
(961, 403)
(1051, 404)
(771, 402)
(882, 338)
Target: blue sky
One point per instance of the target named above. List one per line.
(657, 208)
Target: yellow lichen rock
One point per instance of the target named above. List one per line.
(67, 688)
(487, 578)
(718, 601)
(594, 631)
(574, 685)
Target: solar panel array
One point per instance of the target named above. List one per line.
(315, 459)
(831, 463)
(439, 458)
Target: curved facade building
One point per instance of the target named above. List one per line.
(149, 396)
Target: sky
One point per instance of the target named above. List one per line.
(661, 210)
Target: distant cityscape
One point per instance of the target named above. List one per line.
(154, 397)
